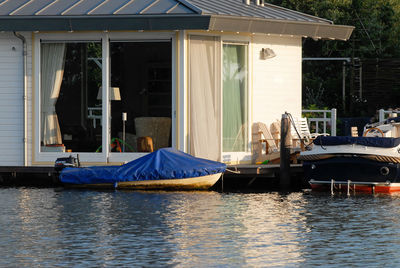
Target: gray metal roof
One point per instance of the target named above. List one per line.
(143, 7)
(268, 11)
(93, 7)
(136, 7)
(230, 15)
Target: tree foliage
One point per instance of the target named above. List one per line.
(376, 24)
(376, 36)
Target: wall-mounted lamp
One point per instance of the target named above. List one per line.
(114, 94)
(267, 53)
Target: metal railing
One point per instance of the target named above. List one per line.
(94, 114)
(323, 120)
(384, 114)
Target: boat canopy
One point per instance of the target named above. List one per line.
(392, 120)
(366, 141)
(165, 163)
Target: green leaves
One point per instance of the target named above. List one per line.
(377, 25)
(372, 47)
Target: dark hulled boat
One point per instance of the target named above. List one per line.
(361, 164)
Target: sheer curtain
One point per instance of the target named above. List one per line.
(52, 71)
(204, 97)
(234, 98)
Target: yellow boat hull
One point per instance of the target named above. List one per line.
(197, 183)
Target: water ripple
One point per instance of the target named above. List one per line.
(43, 227)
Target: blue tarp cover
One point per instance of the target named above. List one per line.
(166, 163)
(366, 141)
(392, 120)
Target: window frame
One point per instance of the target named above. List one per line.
(105, 156)
(242, 155)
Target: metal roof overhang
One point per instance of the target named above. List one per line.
(175, 22)
(102, 23)
(269, 26)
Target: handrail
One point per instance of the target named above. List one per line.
(94, 114)
(325, 120)
(383, 113)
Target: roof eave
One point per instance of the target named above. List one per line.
(281, 27)
(102, 23)
(175, 22)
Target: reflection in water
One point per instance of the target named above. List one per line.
(42, 227)
(278, 227)
(26, 226)
(247, 229)
(358, 231)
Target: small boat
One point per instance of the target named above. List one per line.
(370, 163)
(164, 169)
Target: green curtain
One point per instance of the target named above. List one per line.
(234, 98)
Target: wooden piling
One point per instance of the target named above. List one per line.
(285, 153)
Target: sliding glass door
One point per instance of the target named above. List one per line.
(103, 95)
(141, 111)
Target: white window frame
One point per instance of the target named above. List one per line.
(104, 37)
(235, 157)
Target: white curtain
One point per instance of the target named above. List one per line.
(204, 97)
(52, 71)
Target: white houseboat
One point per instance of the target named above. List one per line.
(92, 77)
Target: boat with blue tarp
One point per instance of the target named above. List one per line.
(164, 169)
(370, 163)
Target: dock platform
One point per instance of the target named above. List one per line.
(259, 177)
(236, 177)
(269, 170)
(35, 176)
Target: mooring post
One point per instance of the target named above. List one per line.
(222, 183)
(285, 152)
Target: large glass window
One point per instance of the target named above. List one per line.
(141, 74)
(235, 98)
(70, 103)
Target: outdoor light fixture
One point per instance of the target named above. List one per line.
(267, 53)
(114, 94)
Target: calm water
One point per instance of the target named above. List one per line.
(49, 228)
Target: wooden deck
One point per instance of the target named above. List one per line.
(35, 176)
(259, 178)
(263, 170)
(236, 176)
(25, 170)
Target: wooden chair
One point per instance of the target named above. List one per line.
(260, 136)
(354, 131)
(297, 143)
(304, 131)
(275, 129)
(145, 144)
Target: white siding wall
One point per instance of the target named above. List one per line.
(277, 81)
(276, 88)
(11, 101)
